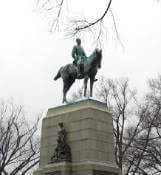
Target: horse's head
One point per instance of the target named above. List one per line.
(98, 56)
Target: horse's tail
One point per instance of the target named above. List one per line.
(58, 75)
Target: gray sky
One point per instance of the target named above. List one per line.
(30, 56)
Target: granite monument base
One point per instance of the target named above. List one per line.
(89, 129)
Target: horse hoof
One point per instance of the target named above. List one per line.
(64, 101)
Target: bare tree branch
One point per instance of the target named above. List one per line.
(90, 24)
(19, 147)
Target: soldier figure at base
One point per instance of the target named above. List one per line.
(62, 151)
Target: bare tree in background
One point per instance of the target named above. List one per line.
(147, 145)
(19, 144)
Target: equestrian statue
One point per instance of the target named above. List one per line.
(83, 67)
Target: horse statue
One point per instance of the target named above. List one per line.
(69, 73)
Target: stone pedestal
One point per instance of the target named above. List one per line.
(90, 136)
(62, 168)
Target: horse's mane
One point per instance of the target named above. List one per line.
(94, 52)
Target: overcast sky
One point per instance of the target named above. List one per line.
(30, 55)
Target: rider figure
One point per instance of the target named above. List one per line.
(79, 56)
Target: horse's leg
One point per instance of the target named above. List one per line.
(67, 85)
(64, 94)
(64, 91)
(91, 86)
(85, 86)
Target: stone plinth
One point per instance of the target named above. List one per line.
(90, 136)
(62, 168)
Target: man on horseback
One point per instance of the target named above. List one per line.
(69, 72)
(79, 56)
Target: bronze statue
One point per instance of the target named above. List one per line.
(71, 72)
